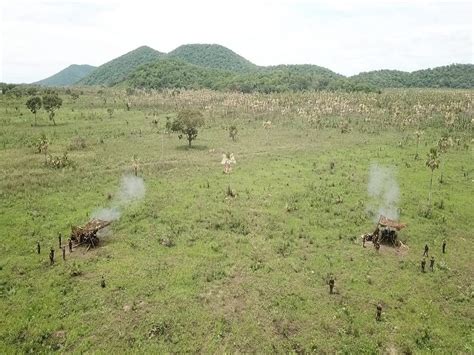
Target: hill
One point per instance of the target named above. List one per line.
(68, 76)
(212, 56)
(173, 73)
(383, 78)
(459, 76)
(118, 69)
(285, 78)
(219, 68)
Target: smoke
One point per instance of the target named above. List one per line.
(384, 192)
(107, 214)
(132, 188)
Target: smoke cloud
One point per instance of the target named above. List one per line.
(132, 188)
(384, 192)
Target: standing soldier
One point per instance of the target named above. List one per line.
(59, 240)
(331, 285)
(70, 245)
(363, 240)
(432, 263)
(64, 253)
(444, 246)
(51, 256)
(378, 315)
(102, 282)
(38, 247)
(423, 264)
(425, 253)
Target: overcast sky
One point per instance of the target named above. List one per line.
(39, 38)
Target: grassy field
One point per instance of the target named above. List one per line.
(191, 269)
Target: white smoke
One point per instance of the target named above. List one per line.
(384, 192)
(132, 188)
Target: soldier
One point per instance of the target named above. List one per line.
(64, 253)
(363, 240)
(444, 246)
(38, 247)
(378, 315)
(59, 240)
(432, 263)
(70, 245)
(102, 282)
(331, 285)
(423, 264)
(51, 256)
(425, 253)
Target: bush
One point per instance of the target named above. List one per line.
(58, 162)
(77, 143)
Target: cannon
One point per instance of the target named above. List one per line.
(385, 232)
(87, 234)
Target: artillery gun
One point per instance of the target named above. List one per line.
(386, 232)
(87, 234)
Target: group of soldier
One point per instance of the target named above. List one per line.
(378, 315)
(52, 251)
(432, 259)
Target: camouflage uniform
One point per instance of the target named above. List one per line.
(425, 253)
(423, 264)
(331, 285)
(51, 256)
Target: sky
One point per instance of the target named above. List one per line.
(41, 37)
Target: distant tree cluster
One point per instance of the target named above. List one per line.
(50, 101)
(456, 76)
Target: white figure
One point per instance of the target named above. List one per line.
(227, 160)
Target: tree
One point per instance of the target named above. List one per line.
(34, 104)
(233, 132)
(433, 163)
(51, 103)
(418, 134)
(444, 144)
(187, 123)
(135, 164)
(42, 146)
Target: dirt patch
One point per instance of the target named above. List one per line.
(389, 250)
(228, 297)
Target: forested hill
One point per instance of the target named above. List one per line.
(68, 76)
(216, 67)
(212, 56)
(451, 76)
(173, 73)
(118, 69)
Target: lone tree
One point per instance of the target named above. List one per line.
(233, 132)
(51, 103)
(34, 104)
(187, 123)
(433, 163)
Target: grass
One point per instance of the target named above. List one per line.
(191, 269)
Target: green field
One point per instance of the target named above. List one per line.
(191, 269)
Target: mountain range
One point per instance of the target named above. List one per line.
(213, 66)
